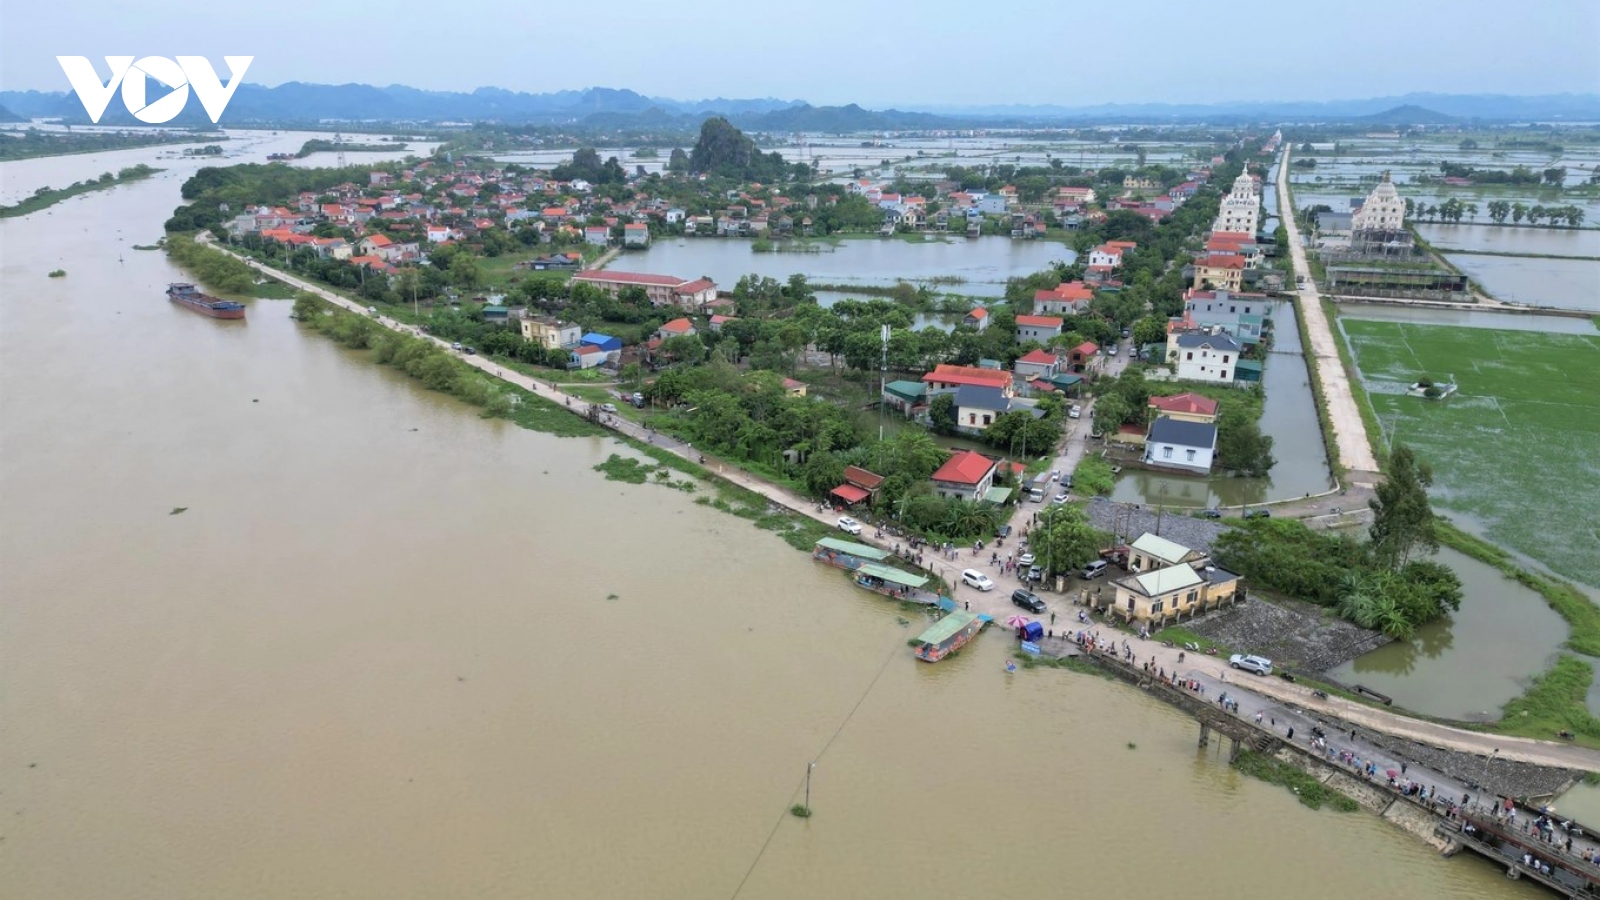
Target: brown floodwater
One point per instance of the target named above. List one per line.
(393, 649)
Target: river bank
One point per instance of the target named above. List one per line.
(807, 511)
(47, 197)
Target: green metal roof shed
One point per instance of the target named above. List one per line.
(892, 576)
(853, 549)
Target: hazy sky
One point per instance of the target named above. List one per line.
(841, 51)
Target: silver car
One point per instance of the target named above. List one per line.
(1258, 665)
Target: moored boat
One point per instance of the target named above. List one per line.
(947, 635)
(205, 304)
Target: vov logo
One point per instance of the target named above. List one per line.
(188, 71)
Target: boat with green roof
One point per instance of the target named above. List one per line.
(947, 635)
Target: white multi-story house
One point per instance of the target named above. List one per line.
(1203, 356)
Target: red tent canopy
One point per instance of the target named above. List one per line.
(849, 493)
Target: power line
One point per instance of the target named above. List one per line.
(835, 736)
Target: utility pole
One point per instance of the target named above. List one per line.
(809, 770)
(883, 376)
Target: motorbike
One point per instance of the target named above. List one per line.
(1320, 695)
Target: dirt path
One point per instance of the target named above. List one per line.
(1349, 431)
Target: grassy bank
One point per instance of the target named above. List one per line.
(48, 197)
(440, 371)
(211, 267)
(1466, 252)
(1582, 616)
(1324, 419)
(1369, 417)
(1311, 792)
(1553, 703)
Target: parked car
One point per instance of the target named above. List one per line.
(1212, 513)
(1025, 559)
(1075, 412)
(1027, 600)
(1035, 573)
(1055, 474)
(608, 407)
(1061, 497)
(1066, 482)
(977, 579)
(1094, 569)
(1113, 350)
(1127, 332)
(468, 351)
(1258, 514)
(849, 525)
(1258, 665)
(456, 346)
(1004, 531)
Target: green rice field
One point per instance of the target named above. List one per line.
(1517, 448)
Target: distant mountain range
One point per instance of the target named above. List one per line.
(1578, 107)
(621, 108)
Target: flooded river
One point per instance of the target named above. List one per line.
(392, 649)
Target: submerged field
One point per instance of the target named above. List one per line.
(1517, 448)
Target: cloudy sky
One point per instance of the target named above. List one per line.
(910, 52)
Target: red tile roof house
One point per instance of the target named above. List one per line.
(859, 485)
(718, 321)
(965, 476)
(1038, 364)
(978, 318)
(947, 377)
(1083, 356)
(675, 328)
(1187, 407)
(1066, 298)
(663, 290)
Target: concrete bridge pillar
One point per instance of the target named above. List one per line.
(1205, 734)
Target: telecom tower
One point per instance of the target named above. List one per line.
(338, 144)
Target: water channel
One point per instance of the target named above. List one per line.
(392, 649)
(1288, 415)
(1467, 666)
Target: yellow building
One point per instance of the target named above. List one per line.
(1170, 581)
(549, 333)
(1151, 552)
(1219, 271)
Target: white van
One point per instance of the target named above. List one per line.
(1094, 569)
(1036, 495)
